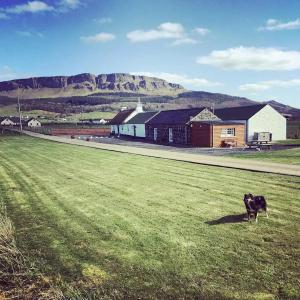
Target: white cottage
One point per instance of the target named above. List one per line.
(117, 123)
(136, 126)
(33, 123)
(257, 118)
(6, 121)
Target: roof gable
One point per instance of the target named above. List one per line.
(205, 115)
(238, 113)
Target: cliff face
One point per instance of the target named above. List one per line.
(84, 84)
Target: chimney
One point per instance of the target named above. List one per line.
(139, 106)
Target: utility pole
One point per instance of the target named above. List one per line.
(19, 109)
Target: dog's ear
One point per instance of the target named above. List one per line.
(245, 195)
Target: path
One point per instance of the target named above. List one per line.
(235, 163)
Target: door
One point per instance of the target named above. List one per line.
(171, 135)
(155, 134)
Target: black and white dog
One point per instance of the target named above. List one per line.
(254, 204)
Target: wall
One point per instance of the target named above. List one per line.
(128, 129)
(238, 140)
(34, 123)
(114, 128)
(268, 120)
(181, 134)
(81, 131)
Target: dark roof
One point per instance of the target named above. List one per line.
(120, 117)
(3, 118)
(177, 116)
(28, 120)
(238, 113)
(142, 118)
(13, 119)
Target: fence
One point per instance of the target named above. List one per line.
(103, 131)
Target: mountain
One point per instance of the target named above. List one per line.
(86, 84)
(109, 92)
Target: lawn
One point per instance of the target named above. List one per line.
(289, 142)
(109, 225)
(287, 156)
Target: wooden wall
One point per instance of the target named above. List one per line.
(237, 141)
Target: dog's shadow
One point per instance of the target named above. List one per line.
(228, 220)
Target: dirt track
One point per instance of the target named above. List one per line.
(243, 164)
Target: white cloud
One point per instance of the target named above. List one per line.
(266, 85)
(275, 25)
(6, 73)
(66, 5)
(202, 31)
(180, 79)
(98, 38)
(29, 7)
(37, 6)
(163, 31)
(103, 20)
(3, 16)
(251, 58)
(24, 33)
(71, 3)
(29, 34)
(184, 41)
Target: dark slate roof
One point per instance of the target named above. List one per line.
(238, 113)
(142, 118)
(13, 119)
(3, 118)
(177, 116)
(120, 117)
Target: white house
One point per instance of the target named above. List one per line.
(33, 123)
(258, 118)
(116, 123)
(6, 121)
(136, 126)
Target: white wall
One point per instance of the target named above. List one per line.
(114, 128)
(267, 120)
(128, 129)
(34, 123)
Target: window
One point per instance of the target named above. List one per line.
(171, 135)
(227, 132)
(155, 134)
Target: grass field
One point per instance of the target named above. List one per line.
(112, 226)
(289, 142)
(287, 156)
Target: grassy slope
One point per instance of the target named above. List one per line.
(288, 156)
(91, 115)
(149, 227)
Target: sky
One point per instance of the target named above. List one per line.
(237, 47)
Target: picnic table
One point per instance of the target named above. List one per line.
(258, 145)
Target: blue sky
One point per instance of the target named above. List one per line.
(244, 48)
